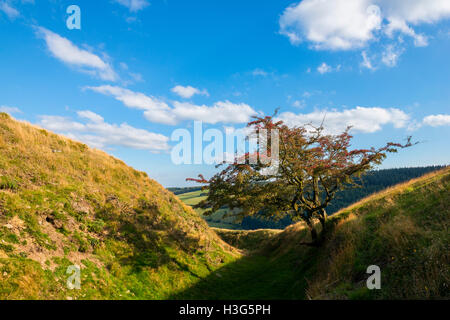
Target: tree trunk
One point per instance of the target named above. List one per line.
(323, 219)
(314, 236)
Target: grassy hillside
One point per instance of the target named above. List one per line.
(62, 203)
(404, 230)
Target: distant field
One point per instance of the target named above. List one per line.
(217, 219)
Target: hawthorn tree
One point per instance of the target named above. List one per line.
(311, 167)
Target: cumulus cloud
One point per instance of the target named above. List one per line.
(134, 5)
(9, 110)
(332, 24)
(352, 24)
(99, 134)
(362, 119)
(437, 120)
(188, 92)
(10, 11)
(85, 61)
(158, 111)
(222, 111)
(155, 110)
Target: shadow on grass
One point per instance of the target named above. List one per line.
(256, 277)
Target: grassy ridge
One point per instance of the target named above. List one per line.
(247, 240)
(62, 203)
(405, 231)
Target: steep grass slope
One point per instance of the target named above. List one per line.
(404, 230)
(62, 203)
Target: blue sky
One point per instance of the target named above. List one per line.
(137, 70)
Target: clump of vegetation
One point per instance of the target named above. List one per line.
(7, 183)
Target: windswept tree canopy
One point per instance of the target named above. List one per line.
(311, 167)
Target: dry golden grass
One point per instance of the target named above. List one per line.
(397, 230)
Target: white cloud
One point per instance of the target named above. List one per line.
(391, 55)
(156, 110)
(437, 120)
(188, 92)
(366, 63)
(260, 72)
(10, 11)
(95, 118)
(396, 24)
(64, 50)
(324, 68)
(9, 110)
(222, 111)
(331, 24)
(99, 134)
(362, 119)
(134, 5)
(351, 24)
(299, 104)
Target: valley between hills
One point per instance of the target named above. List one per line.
(63, 203)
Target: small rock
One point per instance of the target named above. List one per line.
(9, 226)
(5, 274)
(69, 298)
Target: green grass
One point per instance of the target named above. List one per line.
(253, 278)
(247, 240)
